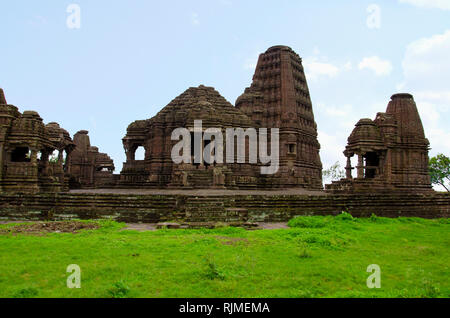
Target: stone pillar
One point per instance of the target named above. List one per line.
(67, 165)
(360, 167)
(33, 157)
(60, 156)
(348, 169)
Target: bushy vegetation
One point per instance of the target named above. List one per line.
(318, 256)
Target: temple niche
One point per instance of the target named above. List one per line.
(278, 98)
(31, 153)
(391, 151)
(89, 168)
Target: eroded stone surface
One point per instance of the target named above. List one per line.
(88, 167)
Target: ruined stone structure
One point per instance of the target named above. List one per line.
(392, 152)
(278, 98)
(26, 145)
(88, 167)
(391, 173)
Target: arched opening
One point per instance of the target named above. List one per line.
(139, 154)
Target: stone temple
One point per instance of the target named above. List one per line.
(392, 151)
(278, 98)
(40, 163)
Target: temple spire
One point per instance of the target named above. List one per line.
(2, 97)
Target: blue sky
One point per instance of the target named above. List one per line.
(131, 58)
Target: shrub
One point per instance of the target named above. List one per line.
(212, 272)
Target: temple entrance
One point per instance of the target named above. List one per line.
(372, 165)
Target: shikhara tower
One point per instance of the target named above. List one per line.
(279, 98)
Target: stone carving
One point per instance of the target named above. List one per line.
(392, 151)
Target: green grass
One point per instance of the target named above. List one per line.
(316, 257)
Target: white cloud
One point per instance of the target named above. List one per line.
(334, 111)
(315, 69)
(426, 69)
(428, 57)
(347, 66)
(379, 66)
(438, 4)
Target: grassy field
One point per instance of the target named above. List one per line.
(316, 257)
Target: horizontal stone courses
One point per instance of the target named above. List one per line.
(156, 208)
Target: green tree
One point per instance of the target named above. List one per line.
(439, 167)
(335, 172)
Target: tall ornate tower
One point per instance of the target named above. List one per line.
(279, 98)
(409, 156)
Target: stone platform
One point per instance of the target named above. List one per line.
(153, 206)
(200, 192)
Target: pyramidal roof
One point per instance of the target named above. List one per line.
(202, 103)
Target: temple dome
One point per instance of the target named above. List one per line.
(201, 103)
(365, 133)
